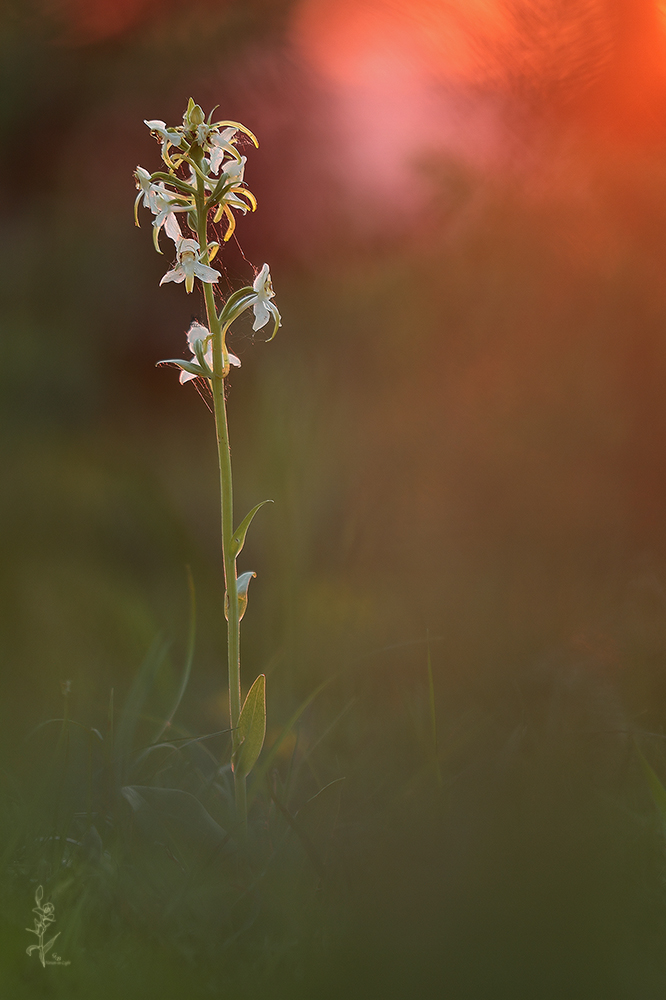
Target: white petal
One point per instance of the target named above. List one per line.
(172, 227)
(196, 332)
(261, 314)
(233, 360)
(187, 246)
(205, 273)
(216, 157)
(142, 178)
(235, 170)
(177, 275)
(262, 280)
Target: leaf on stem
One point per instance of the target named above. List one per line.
(251, 728)
(187, 366)
(238, 537)
(236, 304)
(176, 182)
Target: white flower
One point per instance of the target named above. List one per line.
(163, 207)
(263, 307)
(189, 266)
(167, 135)
(144, 186)
(198, 333)
(234, 171)
(221, 144)
(162, 203)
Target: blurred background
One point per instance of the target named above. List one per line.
(462, 420)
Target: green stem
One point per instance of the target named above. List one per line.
(226, 502)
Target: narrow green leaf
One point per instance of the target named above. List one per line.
(243, 583)
(236, 304)
(174, 181)
(228, 318)
(219, 191)
(239, 294)
(187, 366)
(251, 728)
(238, 537)
(656, 788)
(201, 356)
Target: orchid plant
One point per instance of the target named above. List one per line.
(203, 186)
(43, 920)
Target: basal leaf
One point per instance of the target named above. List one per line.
(251, 728)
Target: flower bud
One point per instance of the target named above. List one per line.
(194, 115)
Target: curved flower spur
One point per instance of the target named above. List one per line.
(202, 185)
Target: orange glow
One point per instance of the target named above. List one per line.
(397, 70)
(352, 41)
(480, 80)
(578, 57)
